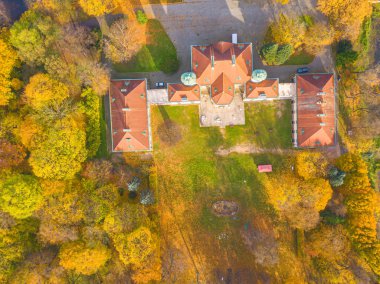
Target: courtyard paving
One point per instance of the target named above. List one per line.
(211, 114)
(208, 21)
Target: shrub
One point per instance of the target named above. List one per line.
(274, 54)
(283, 54)
(269, 52)
(345, 54)
(141, 17)
(307, 20)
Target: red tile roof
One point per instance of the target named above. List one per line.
(180, 93)
(232, 60)
(222, 90)
(315, 110)
(264, 168)
(268, 87)
(129, 115)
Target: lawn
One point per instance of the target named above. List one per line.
(300, 58)
(159, 54)
(191, 177)
(268, 125)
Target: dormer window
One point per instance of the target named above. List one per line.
(248, 62)
(215, 90)
(113, 100)
(196, 64)
(302, 131)
(321, 93)
(126, 83)
(142, 96)
(143, 132)
(123, 90)
(322, 124)
(184, 98)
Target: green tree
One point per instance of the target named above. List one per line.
(20, 196)
(275, 54)
(283, 53)
(91, 108)
(84, 258)
(33, 36)
(60, 155)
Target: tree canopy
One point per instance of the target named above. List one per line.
(33, 36)
(97, 7)
(9, 60)
(83, 258)
(43, 91)
(59, 156)
(20, 196)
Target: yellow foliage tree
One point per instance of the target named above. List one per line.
(317, 37)
(310, 165)
(83, 258)
(135, 247)
(346, 15)
(9, 60)
(288, 30)
(97, 7)
(43, 90)
(297, 200)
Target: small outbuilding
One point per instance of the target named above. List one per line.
(264, 168)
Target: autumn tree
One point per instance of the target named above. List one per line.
(20, 195)
(290, 195)
(317, 37)
(136, 247)
(346, 16)
(10, 154)
(359, 199)
(33, 36)
(99, 171)
(16, 240)
(310, 165)
(43, 91)
(62, 212)
(59, 156)
(97, 7)
(61, 10)
(9, 60)
(84, 258)
(124, 40)
(288, 30)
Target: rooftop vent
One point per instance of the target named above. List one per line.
(321, 115)
(321, 93)
(126, 83)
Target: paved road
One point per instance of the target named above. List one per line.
(208, 21)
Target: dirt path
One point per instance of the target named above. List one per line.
(251, 149)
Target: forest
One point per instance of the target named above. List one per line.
(72, 212)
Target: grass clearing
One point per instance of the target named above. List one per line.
(159, 54)
(268, 125)
(191, 178)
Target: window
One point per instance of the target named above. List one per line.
(322, 124)
(196, 64)
(143, 132)
(248, 62)
(302, 91)
(215, 90)
(302, 131)
(142, 96)
(184, 98)
(126, 83)
(113, 100)
(230, 88)
(123, 90)
(238, 78)
(262, 94)
(250, 88)
(128, 139)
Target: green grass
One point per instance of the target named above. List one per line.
(363, 46)
(102, 151)
(268, 125)
(158, 55)
(300, 58)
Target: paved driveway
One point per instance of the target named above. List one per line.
(209, 21)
